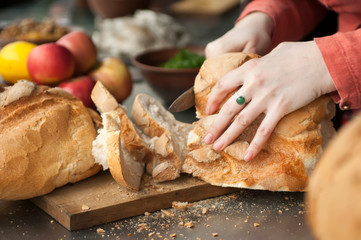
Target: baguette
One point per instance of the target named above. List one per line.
(46, 138)
(169, 137)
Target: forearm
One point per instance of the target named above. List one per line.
(342, 55)
(292, 20)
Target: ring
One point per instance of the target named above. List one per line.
(240, 100)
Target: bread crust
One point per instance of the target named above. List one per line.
(211, 71)
(125, 148)
(289, 156)
(125, 168)
(333, 199)
(129, 135)
(46, 138)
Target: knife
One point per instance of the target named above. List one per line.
(183, 102)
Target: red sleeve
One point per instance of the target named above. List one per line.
(293, 19)
(342, 55)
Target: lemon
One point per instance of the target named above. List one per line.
(13, 58)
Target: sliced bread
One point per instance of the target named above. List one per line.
(169, 137)
(119, 144)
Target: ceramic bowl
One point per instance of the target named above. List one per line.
(167, 83)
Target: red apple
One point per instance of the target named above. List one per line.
(80, 87)
(49, 63)
(83, 49)
(114, 74)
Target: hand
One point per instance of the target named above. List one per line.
(252, 34)
(288, 78)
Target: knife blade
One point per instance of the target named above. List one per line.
(183, 102)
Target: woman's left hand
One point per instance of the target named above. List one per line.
(286, 79)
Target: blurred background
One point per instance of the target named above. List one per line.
(195, 21)
(125, 29)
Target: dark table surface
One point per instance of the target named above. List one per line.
(247, 214)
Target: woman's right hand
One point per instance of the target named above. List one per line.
(252, 34)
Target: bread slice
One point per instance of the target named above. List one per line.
(287, 160)
(119, 144)
(46, 137)
(169, 137)
(125, 167)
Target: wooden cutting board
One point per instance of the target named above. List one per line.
(100, 199)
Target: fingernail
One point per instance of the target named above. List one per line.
(248, 156)
(218, 145)
(208, 138)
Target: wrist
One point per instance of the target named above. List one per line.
(259, 20)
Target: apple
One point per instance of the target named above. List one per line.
(80, 87)
(50, 63)
(114, 74)
(83, 49)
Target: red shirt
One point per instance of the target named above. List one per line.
(294, 19)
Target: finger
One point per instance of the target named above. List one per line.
(250, 47)
(230, 109)
(225, 85)
(263, 133)
(242, 121)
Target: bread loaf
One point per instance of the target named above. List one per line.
(286, 161)
(169, 137)
(334, 196)
(46, 138)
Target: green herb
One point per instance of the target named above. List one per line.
(184, 59)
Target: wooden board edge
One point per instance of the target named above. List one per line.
(133, 208)
(57, 213)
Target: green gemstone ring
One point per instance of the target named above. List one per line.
(240, 100)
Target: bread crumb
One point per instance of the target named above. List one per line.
(168, 213)
(173, 235)
(205, 210)
(51, 221)
(151, 234)
(182, 206)
(215, 234)
(256, 224)
(100, 230)
(233, 196)
(85, 207)
(146, 213)
(246, 221)
(142, 226)
(189, 224)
